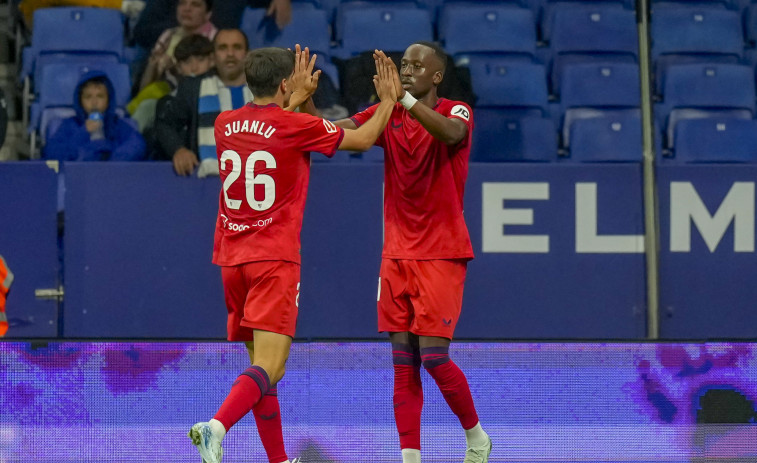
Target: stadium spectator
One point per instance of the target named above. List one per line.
(184, 121)
(260, 264)
(194, 57)
(158, 16)
(426, 247)
(96, 132)
(193, 17)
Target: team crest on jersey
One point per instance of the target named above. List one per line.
(461, 111)
(330, 127)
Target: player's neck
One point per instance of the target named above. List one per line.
(264, 101)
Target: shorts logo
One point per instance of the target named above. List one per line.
(330, 127)
(461, 112)
(446, 321)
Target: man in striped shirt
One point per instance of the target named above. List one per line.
(184, 121)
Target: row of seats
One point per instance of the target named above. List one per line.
(613, 137)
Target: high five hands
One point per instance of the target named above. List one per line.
(386, 79)
(304, 80)
(379, 55)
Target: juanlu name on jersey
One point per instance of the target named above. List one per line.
(256, 127)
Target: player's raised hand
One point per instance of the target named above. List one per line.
(380, 55)
(384, 80)
(304, 80)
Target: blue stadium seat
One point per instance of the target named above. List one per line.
(698, 30)
(516, 86)
(494, 27)
(310, 27)
(589, 89)
(716, 140)
(75, 30)
(683, 34)
(589, 32)
(607, 138)
(365, 26)
(549, 7)
(694, 91)
(498, 137)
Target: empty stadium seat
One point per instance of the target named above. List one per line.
(310, 27)
(694, 91)
(588, 32)
(699, 30)
(498, 82)
(498, 138)
(549, 7)
(607, 138)
(716, 140)
(683, 34)
(74, 30)
(365, 26)
(494, 27)
(589, 89)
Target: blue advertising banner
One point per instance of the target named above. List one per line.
(28, 242)
(708, 267)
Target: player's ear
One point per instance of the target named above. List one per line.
(283, 86)
(438, 76)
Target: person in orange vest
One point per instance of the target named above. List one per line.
(6, 278)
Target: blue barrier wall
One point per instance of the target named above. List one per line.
(28, 241)
(707, 261)
(559, 251)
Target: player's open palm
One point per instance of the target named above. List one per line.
(380, 55)
(384, 81)
(304, 80)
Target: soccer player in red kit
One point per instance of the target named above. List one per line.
(426, 245)
(264, 162)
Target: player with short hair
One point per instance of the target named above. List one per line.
(264, 163)
(426, 245)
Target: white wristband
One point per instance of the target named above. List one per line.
(408, 100)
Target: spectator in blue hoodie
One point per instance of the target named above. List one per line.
(96, 133)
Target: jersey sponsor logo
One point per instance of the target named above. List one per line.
(242, 227)
(461, 111)
(330, 127)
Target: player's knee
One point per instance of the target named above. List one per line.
(434, 356)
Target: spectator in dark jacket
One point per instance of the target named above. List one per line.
(96, 132)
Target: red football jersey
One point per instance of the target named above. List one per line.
(424, 184)
(264, 160)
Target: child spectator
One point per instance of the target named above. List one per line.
(96, 132)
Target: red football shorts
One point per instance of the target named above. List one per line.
(423, 297)
(262, 296)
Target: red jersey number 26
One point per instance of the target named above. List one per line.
(269, 186)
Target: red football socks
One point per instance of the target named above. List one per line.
(245, 393)
(452, 384)
(408, 395)
(268, 419)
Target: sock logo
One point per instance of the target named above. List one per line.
(270, 417)
(447, 322)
